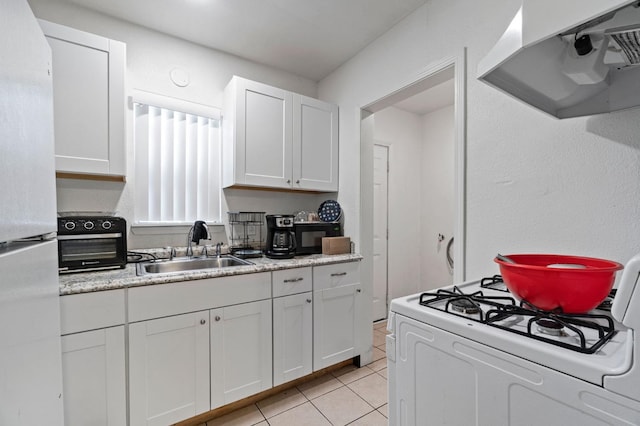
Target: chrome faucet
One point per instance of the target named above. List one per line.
(199, 231)
(218, 246)
(172, 252)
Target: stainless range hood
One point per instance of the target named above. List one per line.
(570, 58)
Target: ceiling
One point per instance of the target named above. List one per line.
(433, 92)
(309, 38)
(430, 100)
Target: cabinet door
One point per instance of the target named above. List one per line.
(263, 135)
(292, 337)
(169, 369)
(93, 371)
(315, 144)
(335, 311)
(88, 97)
(241, 357)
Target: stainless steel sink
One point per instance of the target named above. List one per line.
(194, 264)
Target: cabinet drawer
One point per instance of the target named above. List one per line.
(336, 275)
(90, 311)
(292, 281)
(189, 296)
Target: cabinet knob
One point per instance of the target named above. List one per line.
(288, 180)
(203, 322)
(308, 300)
(359, 290)
(298, 181)
(218, 318)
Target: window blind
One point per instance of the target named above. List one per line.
(177, 163)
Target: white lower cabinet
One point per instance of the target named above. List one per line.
(184, 365)
(93, 358)
(241, 355)
(169, 368)
(93, 365)
(292, 337)
(337, 305)
(197, 345)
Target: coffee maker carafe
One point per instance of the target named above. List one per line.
(281, 241)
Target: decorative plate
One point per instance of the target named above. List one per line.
(329, 211)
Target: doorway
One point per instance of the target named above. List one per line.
(380, 231)
(453, 69)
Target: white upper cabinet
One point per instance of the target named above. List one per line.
(315, 144)
(89, 101)
(257, 135)
(277, 139)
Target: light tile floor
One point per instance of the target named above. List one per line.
(348, 396)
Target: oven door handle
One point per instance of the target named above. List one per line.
(90, 236)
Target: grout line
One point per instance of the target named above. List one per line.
(364, 415)
(342, 384)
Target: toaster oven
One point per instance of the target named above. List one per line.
(91, 242)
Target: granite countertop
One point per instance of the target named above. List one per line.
(85, 282)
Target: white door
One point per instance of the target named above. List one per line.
(94, 378)
(292, 337)
(241, 351)
(169, 369)
(380, 226)
(334, 317)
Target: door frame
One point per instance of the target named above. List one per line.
(386, 296)
(458, 63)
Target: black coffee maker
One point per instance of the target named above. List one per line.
(281, 241)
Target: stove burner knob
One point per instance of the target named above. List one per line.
(106, 225)
(69, 226)
(88, 225)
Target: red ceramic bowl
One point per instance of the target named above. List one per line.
(562, 288)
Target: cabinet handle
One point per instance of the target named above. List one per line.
(308, 300)
(338, 274)
(203, 322)
(218, 318)
(359, 290)
(293, 280)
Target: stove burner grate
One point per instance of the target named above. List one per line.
(608, 302)
(494, 283)
(555, 324)
(465, 305)
(498, 311)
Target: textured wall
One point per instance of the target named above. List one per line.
(437, 196)
(534, 183)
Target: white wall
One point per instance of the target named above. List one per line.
(421, 196)
(150, 58)
(402, 132)
(534, 183)
(437, 201)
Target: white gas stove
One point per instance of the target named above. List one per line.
(472, 355)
